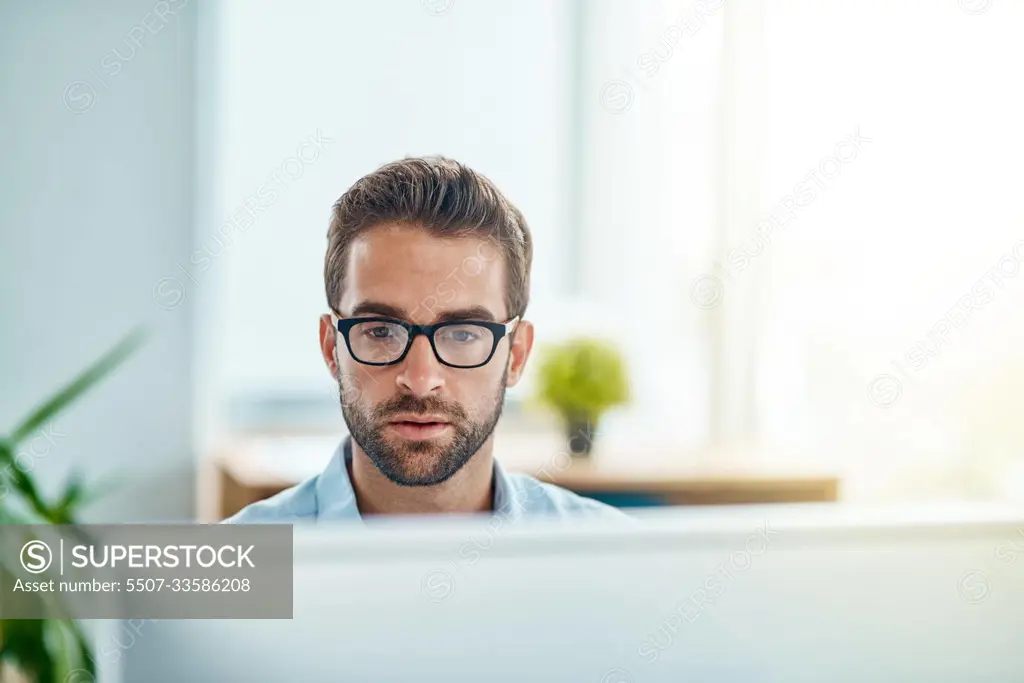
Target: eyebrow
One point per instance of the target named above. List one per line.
(375, 308)
(471, 313)
(364, 308)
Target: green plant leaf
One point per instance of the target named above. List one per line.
(22, 482)
(77, 495)
(582, 378)
(45, 650)
(85, 658)
(25, 648)
(69, 500)
(93, 374)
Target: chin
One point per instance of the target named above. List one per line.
(407, 460)
(421, 477)
(424, 463)
(420, 447)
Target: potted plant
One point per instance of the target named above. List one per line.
(47, 650)
(581, 379)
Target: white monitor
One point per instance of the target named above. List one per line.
(768, 593)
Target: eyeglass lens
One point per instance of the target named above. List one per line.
(379, 341)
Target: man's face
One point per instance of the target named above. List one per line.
(407, 274)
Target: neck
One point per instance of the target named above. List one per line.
(469, 490)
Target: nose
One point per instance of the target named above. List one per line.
(420, 373)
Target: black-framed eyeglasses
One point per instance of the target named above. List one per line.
(386, 341)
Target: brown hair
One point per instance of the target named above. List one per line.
(442, 196)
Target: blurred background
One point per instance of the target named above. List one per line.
(798, 221)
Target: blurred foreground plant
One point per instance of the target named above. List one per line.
(47, 650)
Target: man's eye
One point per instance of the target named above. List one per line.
(461, 335)
(381, 332)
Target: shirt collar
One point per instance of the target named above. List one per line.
(336, 499)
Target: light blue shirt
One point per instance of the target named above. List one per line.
(328, 497)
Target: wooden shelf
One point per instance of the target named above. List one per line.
(254, 468)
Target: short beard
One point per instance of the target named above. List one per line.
(399, 466)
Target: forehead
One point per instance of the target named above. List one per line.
(422, 275)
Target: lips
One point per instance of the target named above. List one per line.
(420, 419)
(415, 427)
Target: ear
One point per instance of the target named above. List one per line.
(328, 342)
(521, 344)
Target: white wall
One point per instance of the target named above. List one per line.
(95, 208)
(869, 352)
(650, 204)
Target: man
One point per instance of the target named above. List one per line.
(427, 276)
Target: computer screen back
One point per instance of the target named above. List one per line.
(802, 593)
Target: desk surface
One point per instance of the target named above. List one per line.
(261, 466)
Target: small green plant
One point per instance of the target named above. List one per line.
(582, 379)
(47, 650)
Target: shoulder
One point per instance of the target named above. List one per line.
(537, 497)
(295, 504)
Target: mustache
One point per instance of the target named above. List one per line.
(413, 404)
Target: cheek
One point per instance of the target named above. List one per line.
(476, 393)
(359, 388)
(376, 394)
